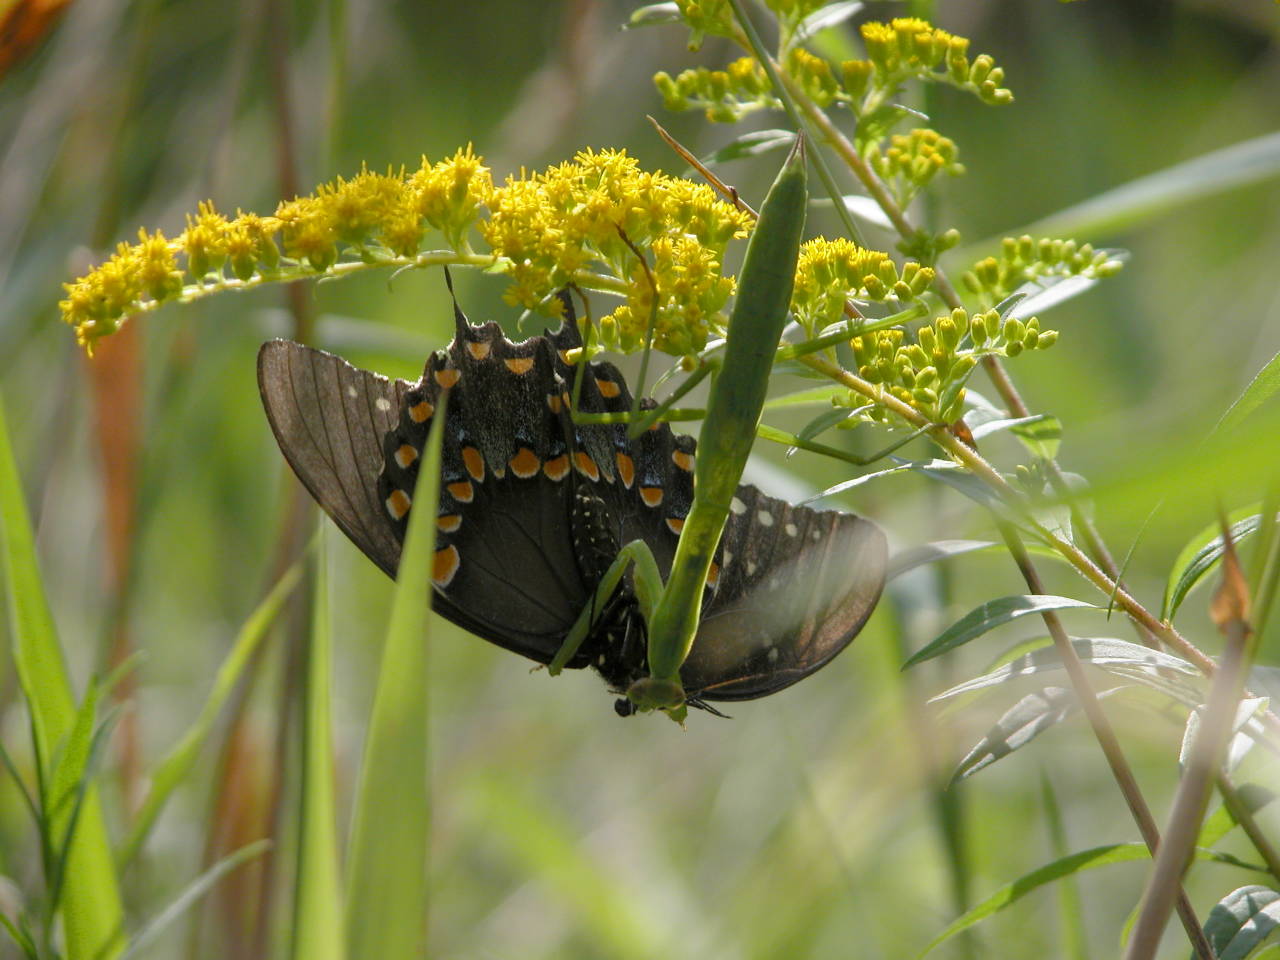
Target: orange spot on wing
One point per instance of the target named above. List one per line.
(445, 567)
(682, 460)
(652, 496)
(398, 504)
(449, 522)
(461, 491)
(557, 468)
(421, 412)
(474, 462)
(553, 401)
(607, 388)
(448, 377)
(478, 349)
(713, 575)
(626, 469)
(525, 463)
(675, 524)
(519, 365)
(586, 466)
(405, 455)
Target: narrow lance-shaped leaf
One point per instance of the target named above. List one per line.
(733, 411)
(387, 862)
(1064, 867)
(93, 916)
(317, 915)
(1200, 556)
(989, 615)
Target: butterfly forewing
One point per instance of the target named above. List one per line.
(329, 419)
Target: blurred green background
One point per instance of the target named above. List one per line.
(809, 824)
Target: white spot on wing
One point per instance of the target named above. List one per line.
(737, 506)
(791, 529)
(765, 518)
(751, 568)
(382, 403)
(351, 391)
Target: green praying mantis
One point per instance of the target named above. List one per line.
(737, 396)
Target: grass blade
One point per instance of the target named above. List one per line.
(174, 768)
(197, 889)
(317, 907)
(387, 878)
(91, 908)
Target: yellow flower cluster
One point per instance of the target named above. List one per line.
(1023, 259)
(594, 210)
(911, 160)
(908, 47)
(829, 272)
(376, 217)
(929, 372)
(725, 95)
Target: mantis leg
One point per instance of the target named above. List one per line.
(636, 558)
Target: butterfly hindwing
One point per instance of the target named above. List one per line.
(795, 587)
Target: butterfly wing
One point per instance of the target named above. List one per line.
(795, 586)
(506, 569)
(329, 419)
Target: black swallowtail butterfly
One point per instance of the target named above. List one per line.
(533, 510)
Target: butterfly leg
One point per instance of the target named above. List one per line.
(635, 557)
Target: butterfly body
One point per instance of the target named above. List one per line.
(535, 507)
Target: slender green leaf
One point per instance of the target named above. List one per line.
(1199, 557)
(960, 480)
(91, 908)
(993, 613)
(21, 937)
(832, 15)
(752, 144)
(1022, 723)
(1240, 744)
(811, 396)
(71, 761)
(824, 422)
(1260, 389)
(173, 769)
(1041, 435)
(1242, 920)
(1218, 824)
(860, 206)
(1065, 867)
(1098, 651)
(317, 906)
(194, 891)
(984, 428)
(931, 553)
(387, 858)
(1158, 194)
(1074, 939)
(1044, 293)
